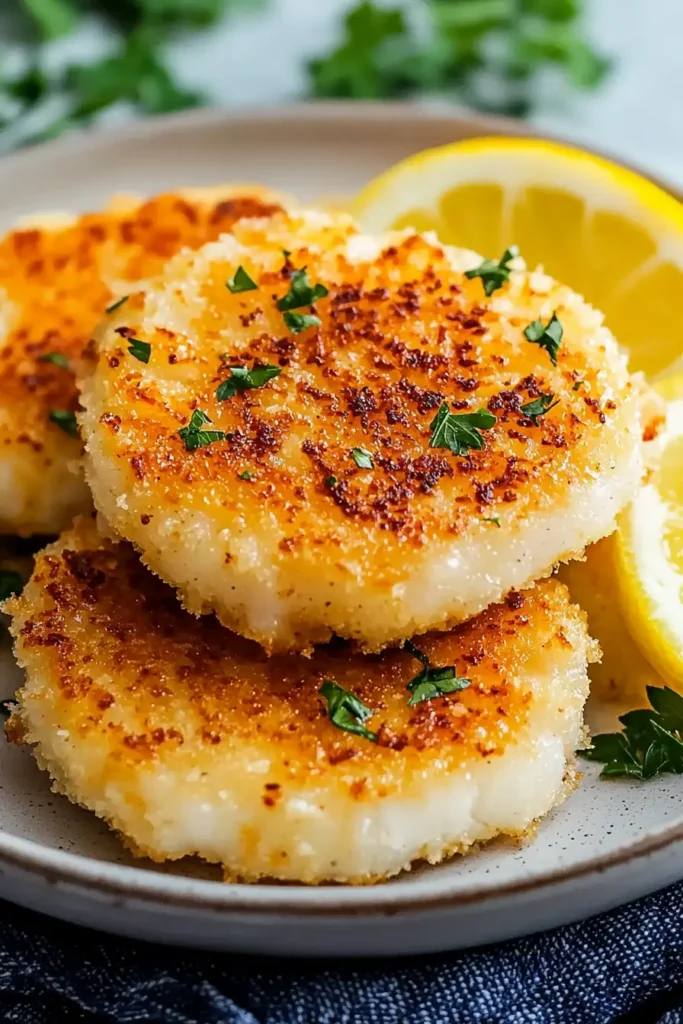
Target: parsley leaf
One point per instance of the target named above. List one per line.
(347, 711)
(135, 73)
(116, 305)
(651, 742)
(578, 385)
(57, 359)
(243, 379)
(459, 432)
(246, 475)
(195, 436)
(240, 282)
(432, 682)
(11, 584)
(298, 322)
(301, 292)
(331, 481)
(539, 407)
(65, 419)
(486, 53)
(492, 519)
(363, 458)
(360, 67)
(548, 336)
(494, 275)
(142, 350)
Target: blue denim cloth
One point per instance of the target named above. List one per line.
(625, 967)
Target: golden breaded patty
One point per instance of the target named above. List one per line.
(336, 488)
(57, 276)
(189, 740)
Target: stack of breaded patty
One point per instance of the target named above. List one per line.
(303, 637)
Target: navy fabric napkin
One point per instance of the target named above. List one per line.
(625, 967)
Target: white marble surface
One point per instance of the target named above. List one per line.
(256, 56)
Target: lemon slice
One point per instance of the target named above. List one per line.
(649, 550)
(600, 228)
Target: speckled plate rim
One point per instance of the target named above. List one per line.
(122, 881)
(338, 112)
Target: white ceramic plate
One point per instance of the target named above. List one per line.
(611, 841)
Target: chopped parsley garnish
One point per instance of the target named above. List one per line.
(241, 282)
(492, 519)
(11, 584)
(539, 407)
(578, 385)
(65, 419)
(347, 711)
(331, 481)
(432, 682)
(362, 458)
(286, 253)
(57, 358)
(548, 336)
(651, 742)
(195, 436)
(142, 350)
(243, 379)
(459, 432)
(116, 305)
(301, 292)
(298, 322)
(246, 475)
(494, 275)
(6, 707)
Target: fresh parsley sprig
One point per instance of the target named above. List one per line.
(346, 711)
(432, 682)
(382, 54)
(548, 336)
(243, 379)
(459, 432)
(484, 53)
(494, 274)
(651, 742)
(194, 434)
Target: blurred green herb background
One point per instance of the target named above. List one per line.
(486, 54)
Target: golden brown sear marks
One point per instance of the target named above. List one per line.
(123, 662)
(55, 284)
(400, 334)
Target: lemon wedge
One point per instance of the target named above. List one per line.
(649, 550)
(604, 230)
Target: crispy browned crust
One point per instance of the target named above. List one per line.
(123, 665)
(56, 283)
(399, 336)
